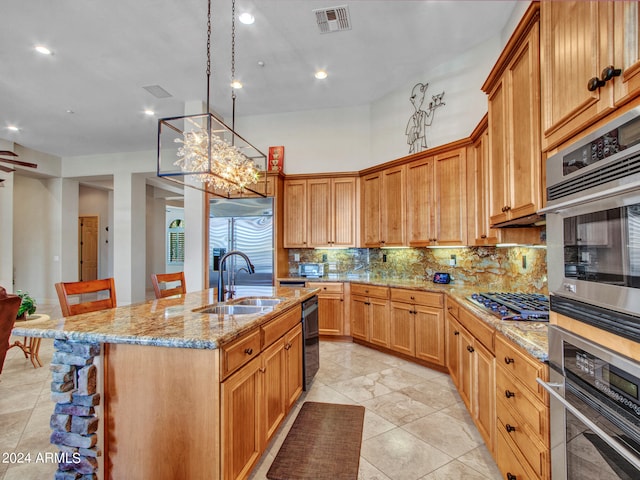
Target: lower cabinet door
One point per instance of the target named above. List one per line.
(402, 328)
(241, 420)
(293, 365)
(429, 333)
(273, 387)
(359, 317)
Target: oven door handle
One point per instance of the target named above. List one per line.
(549, 387)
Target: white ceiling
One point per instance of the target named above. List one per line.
(106, 51)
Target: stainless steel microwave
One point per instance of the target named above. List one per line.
(593, 226)
(311, 270)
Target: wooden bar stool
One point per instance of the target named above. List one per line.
(9, 305)
(164, 278)
(67, 289)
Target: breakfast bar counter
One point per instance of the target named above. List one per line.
(163, 390)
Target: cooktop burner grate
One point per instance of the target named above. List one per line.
(515, 306)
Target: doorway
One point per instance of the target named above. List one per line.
(88, 248)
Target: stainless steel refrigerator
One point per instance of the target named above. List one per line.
(244, 224)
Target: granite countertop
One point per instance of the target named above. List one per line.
(167, 322)
(531, 336)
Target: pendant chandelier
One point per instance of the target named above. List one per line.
(202, 152)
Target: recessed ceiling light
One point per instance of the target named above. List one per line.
(321, 75)
(149, 112)
(236, 84)
(13, 128)
(43, 50)
(246, 18)
(69, 111)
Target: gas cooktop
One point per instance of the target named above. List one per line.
(515, 306)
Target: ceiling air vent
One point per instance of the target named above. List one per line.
(333, 19)
(157, 91)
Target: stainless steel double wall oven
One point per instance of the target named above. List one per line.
(593, 258)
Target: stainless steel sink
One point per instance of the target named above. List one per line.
(236, 309)
(259, 301)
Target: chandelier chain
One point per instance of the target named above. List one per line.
(233, 45)
(208, 50)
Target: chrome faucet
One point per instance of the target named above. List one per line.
(221, 269)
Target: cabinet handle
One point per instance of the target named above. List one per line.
(248, 351)
(609, 72)
(470, 349)
(594, 83)
(287, 346)
(367, 303)
(508, 360)
(262, 369)
(510, 428)
(483, 236)
(509, 394)
(511, 476)
(412, 297)
(456, 333)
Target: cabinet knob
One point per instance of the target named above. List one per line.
(248, 351)
(456, 333)
(511, 476)
(509, 394)
(262, 369)
(510, 428)
(287, 346)
(470, 349)
(412, 297)
(594, 83)
(508, 360)
(609, 72)
(483, 236)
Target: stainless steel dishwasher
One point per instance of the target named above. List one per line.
(311, 345)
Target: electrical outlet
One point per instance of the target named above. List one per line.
(296, 257)
(384, 257)
(524, 261)
(324, 257)
(452, 261)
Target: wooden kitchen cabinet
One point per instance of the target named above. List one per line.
(264, 383)
(320, 212)
(417, 325)
(330, 307)
(523, 412)
(471, 361)
(383, 196)
(581, 40)
(436, 199)
(331, 212)
(479, 231)
(295, 213)
(370, 314)
(515, 161)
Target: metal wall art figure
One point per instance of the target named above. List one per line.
(422, 118)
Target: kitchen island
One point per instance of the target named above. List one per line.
(151, 390)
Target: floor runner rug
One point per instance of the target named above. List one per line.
(323, 443)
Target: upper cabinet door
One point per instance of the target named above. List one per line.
(295, 214)
(370, 211)
(393, 207)
(319, 219)
(627, 50)
(420, 203)
(449, 187)
(344, 208)
(590, 64)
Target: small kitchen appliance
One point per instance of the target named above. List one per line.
(515, 306)
(311, 270)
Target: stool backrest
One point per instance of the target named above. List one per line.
(9, 306)
(69, 289)
(158, 279)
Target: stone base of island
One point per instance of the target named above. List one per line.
(170, 388)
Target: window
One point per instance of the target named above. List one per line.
(175, 244)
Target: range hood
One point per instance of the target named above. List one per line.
(535, 220)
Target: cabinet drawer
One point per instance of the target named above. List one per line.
(417, 297)
(535, 454)
(483, 332)
(369, 290)
(274, 329)
(522, 366)
(240, 351)
(509, 463)
(327, 287)
(453, 308)
(511, 395)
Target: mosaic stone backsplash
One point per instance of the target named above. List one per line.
(515, 269)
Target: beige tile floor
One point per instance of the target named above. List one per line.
(416, 426)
